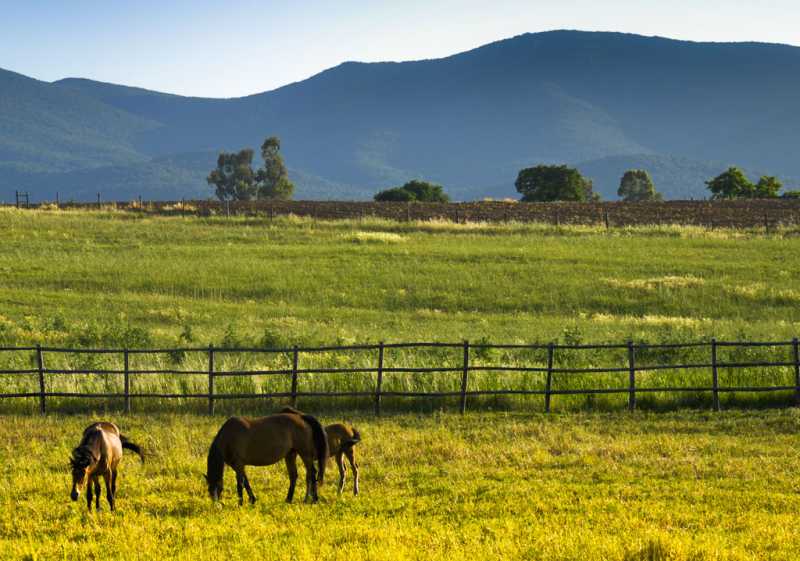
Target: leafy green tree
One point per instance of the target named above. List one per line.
(273, 179)
(396, 194)
(731, 184)
(554, 183)
(636, 186)
(791, 194)
(234, 179)
(415, 190)
(767, 187)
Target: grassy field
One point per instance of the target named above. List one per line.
(503, 481)
(668, 486)
(82, 279)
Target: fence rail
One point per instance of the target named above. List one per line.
(630, 353)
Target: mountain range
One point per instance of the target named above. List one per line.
(604, 102)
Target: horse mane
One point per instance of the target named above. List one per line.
(82, 457)
(215, 465)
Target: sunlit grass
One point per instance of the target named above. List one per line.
(668, 486)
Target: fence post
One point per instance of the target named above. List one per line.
(295, 353)
(631, 376)
(127, 381)
(549, 383)
(464, 378)
(796, 352)
(605, 216)
(40, 364)
(211, 379)
(715, 374)
(379, 386)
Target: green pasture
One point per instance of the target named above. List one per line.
(675, 486)
(114, 279)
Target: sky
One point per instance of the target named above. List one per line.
(240, 47)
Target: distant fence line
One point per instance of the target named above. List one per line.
(761, 213)
(461, 372)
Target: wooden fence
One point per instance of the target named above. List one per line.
(547, 368)
(768, 214)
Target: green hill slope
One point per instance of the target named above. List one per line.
(470, 121)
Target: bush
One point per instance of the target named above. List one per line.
(420, 191)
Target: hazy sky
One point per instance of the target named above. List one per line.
(239, 47)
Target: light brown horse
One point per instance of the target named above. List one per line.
(341, 440)
(98, 455)
(265, 441)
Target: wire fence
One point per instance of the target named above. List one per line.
(553, 363)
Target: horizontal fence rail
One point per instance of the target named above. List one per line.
(630, 365)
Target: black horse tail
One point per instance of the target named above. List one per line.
(353, 440)
(320, 443)
(131, 446)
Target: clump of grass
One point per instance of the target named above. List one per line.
(375, 237)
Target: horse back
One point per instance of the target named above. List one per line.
(263, 440)
(103, 426)
(103, 437)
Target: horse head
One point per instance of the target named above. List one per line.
(81, 465)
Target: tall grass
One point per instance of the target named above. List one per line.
(89, 279)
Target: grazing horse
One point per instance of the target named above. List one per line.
(98, 455)
(265, 441)
(341, 440)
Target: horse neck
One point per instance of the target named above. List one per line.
(216, 462)
(86, 451)
(92, 447)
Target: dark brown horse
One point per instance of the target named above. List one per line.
(265, 441)
(341, 440)
(98, 455)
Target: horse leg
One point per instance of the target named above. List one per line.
(342, 471)
(114, 483)
(108, 478)
(239, 486)
(351, 457)
(247, 487)
(311, 480)
(97, 493)
(291, 467)
(89, 495)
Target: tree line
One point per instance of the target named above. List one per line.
(235, 179)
